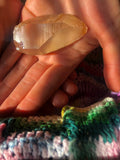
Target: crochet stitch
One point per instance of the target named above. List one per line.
(80, 134)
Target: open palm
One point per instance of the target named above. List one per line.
(27, 82)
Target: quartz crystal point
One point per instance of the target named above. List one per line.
(46, 34)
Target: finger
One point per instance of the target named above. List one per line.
(60, 99)
(25, 85)
(38, 7)
(26, 14)
(111, 55)
(48, 83)
(8, 59)
(70, 87)
(15, 75)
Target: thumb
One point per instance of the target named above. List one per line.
(110, 42)
(111, 56)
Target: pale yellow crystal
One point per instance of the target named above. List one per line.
(46, 34)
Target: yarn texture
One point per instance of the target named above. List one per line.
(79, 134)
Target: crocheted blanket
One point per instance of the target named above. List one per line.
(80, 133)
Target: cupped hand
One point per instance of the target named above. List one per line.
(27, 82)
(16, 69)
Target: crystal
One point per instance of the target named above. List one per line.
(46, 34)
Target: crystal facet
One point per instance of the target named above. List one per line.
(46, 34)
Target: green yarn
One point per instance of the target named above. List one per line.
(84, 128)
(98, 114)
(100, 120)
(82, 150)
(81, 128)
(22, 124)
(102, 113)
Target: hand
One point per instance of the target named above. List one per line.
(33, 80)
(103, 18)
(14, 66)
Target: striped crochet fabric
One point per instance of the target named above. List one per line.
(79, 134)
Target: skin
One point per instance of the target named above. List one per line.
(27, 82)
